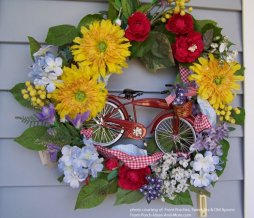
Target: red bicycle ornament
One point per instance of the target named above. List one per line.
(171, 129)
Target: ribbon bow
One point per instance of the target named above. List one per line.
(201, 123)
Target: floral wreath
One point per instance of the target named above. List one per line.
(77, 123)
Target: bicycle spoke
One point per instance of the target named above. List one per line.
(106, 133)
(167, 141)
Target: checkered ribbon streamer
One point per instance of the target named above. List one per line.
(184, 73)
(201, 123)
(133, 162)
(88, 133)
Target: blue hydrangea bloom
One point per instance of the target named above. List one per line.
(46, 68)
(78, 163)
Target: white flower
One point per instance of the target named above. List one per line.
(231, 56)
(173, 182)
(200, 180)
(180, 187)
(54, 65)
(207, 163)
(184, 163)
(214, 45)
(223, 47)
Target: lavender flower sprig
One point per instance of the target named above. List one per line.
(209, 140)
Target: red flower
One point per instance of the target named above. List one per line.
(138, 27)
(180, 24)
(111, 164)
(188, 48)
(132, 179)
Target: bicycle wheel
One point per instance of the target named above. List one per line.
(167, 141)
(103, 135)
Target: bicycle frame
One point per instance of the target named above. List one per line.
(131, 126)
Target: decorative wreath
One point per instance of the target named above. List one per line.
(78, 123)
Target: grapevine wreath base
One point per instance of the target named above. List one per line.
(78, 124)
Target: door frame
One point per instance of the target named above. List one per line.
(248, 60)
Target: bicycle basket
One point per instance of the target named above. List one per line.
(184, 110)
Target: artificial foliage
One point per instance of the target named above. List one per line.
(77, 122)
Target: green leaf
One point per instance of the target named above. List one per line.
(113, 174)
(240, 72)
(118, 4)
(239, 118)
(199, 24)
(144, 8)
(208, 38)
(88, 19)
(101, 175)
(152, 146)
(127, 196)
(182, 198)
(28, 139)
(127, 9)
(160, 56)
(209, 26)
(61, 35)
(65, 53)
(162, 29)
(34, 46)
(200, 191)
(60, 178)
(135, 4)
(139, 49)
(16, 92)
(230, 129)
(92, 195)
(225, 148)
(112, 11)
(112, 186)
(178, 79)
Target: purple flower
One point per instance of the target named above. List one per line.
(52, 151)
(47, 114)
(79, 119)
(209, 140)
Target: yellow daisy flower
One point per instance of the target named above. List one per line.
(103, 47)
(216, 80)
(79, 92)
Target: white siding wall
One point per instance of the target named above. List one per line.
(30, 190)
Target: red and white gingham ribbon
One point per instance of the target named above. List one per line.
(88, 133)
(133, 162)
(184, 73)
(201, 123)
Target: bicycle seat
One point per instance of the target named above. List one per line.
(132, 93)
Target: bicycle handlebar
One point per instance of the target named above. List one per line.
(169, 85)
(165, 92)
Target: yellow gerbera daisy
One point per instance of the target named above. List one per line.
(79, 92)
(102, 47)
(216, 80)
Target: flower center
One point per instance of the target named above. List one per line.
(102, 46)
(80, 96)
(193, 48)
(218, 80)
